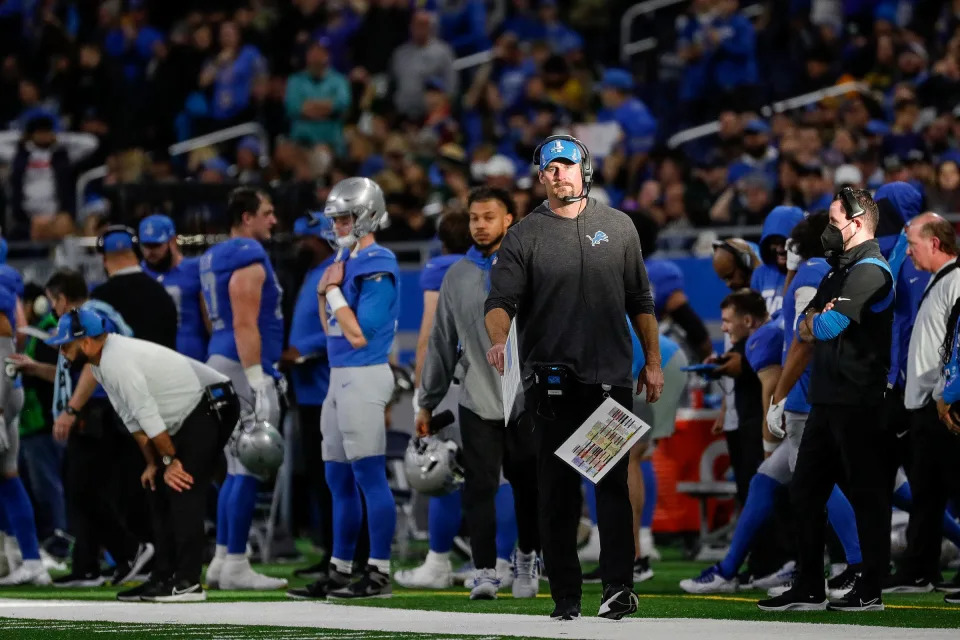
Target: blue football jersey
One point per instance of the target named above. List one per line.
(432, 275)
(668, 349)
(312, 379)
(182, 282)
(216, 268)
(666, 278)
(8, 305)
(809, 274)
(11, 279)
(768, 282)
(369, 265)
(765, 346)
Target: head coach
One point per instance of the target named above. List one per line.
(570, 272)
(849, 321)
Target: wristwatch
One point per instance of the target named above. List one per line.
(168, 460)
(70, 411)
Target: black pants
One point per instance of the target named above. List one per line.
(934, 479)
(560, 502)
(745, 446)
(841, 445)
(178, 515)
(93, 483)
(311, 440)
(488, 446)
(897, 442)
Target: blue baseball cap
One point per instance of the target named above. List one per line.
(757, 126)
(250, 143)
(617, 79)
(315, 224)
(877, 128)
(157, 229)
(77, 324)
(115, 239)
(559, 149)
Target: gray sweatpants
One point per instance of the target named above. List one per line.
(234, 370)
(783, 460)
(662, 414)
(352, 419)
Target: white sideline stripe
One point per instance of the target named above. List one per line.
(332, 616)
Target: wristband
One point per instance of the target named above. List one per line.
(254, 375)
(335, 299)
(770, 447)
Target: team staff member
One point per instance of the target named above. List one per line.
(849, 323)
(947, 394)
(933, 472)
(163, 261)
(487, 445)
(309, 368)
(567, 272)
(243, 296)
(181, 413)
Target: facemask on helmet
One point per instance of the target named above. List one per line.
(432, 466)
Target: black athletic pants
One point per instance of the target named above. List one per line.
(488, 446)
(934, 479)
(178, 515)
(94, 478)
(560, 496)
(841, 444)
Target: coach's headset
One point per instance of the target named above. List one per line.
(743, 257)
(118, 228)
(850, 204)
(586, 164)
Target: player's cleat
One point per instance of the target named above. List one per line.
(710, 581)
(902, 583)
(484, 585)
(237, 574)
(148, 588)
(80, 580)
(590, 552)
(318, 589)
(949, 586)
(526, 574)
(794, 600)
(29, 572)
(857, 600)
(841, 584)
(314, 571)
(641, 570)
(952, 598)
(180, 591)
(505, 572)
(434, 573)
(214, 569)
(373, 584)
(51, 563)
(617, 601)
(127, 570)
(566, 609)
(647, 547)
(11, 552)
(781, 576)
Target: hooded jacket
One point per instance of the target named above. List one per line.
(768, 279)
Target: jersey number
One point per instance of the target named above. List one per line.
(208, 282)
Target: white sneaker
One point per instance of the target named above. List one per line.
(237, 574)
(4, 567)
(781, 576)
(50, 563)
(590, 552)
(434, 573)
(29, 572)
(505, 573)
(11, 549)
(213, 571)
(647, 548)
(709, 581)
(526, 574)
(484, 585)
(776, 592)
(464, 574)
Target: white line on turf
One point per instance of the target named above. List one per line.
(310, 614)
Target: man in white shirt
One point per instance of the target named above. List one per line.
(181, 413)
(934, 450)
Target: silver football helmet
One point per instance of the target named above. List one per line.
(259, 447)
(432, 466)
(361, 198)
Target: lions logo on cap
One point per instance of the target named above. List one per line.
(149, 229)
(557, 146)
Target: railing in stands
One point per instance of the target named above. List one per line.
(186, 146)
(628, 49)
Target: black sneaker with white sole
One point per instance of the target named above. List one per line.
(952, 598)
(318, 589)
(566, 609)
(949, 586)
(127, 570)
(178, 591)
(641, 570)
(857, 600)
(902, 583)
(148, 588)
(92, 579)
(373, 584)
(794, 600)
(617, 601)
(314, 571)
(841, 584)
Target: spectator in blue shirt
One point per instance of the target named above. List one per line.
(691, 36)
(232, 75)
(523, 22)
(560, 37)
(132, 45)
(464, 27)
(732, 45)
(317, 99)
(638, 125)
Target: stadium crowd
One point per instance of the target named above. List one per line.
(351, 90)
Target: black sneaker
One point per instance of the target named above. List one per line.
(949, 586)
(592, 577)
(179, 591)
(857, 600)
(617, 601)
(149, 588)
(566, 609)
(901, 583)
(318, 590)
(641, 570)
(794, 600)
(952, 598)
(126, 570)
(373, 584)
(91, 579)
(841, 584)
(314, 571)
